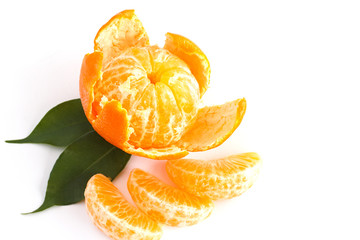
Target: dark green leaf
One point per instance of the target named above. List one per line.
(87, 156)
(62, 125)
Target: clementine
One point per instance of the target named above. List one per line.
(145, 99)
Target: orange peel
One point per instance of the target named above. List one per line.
(145, 99)
(193, 56)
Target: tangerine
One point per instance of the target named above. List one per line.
(145, 99)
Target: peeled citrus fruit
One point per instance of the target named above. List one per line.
(217, 179)
(115, 216)
(166, 204)
(145, 99)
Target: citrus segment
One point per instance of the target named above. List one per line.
(217, 179)
(213, 125)
(167, 204)
(122, 31)
(193, 56)
(115, 216)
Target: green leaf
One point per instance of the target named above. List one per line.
(60, 126)
(85, 157)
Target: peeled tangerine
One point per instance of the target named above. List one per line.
(145, 99)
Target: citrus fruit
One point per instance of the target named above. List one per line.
(217, 179)
(166, 204)
(145, 99)
(115, 216)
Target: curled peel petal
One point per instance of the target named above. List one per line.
(213, 125)
(192, 55)
(113, 124)
(90, 73)
(122, 31)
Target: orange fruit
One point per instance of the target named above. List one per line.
(217, 179)
(145, 99)
(166, 204)
(115, 216)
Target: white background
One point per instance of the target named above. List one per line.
(296, 63)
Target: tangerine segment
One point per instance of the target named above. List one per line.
(166, 204)
(122, 31)
(116, 217)
(217, 179)
(193, 56)
(213, 125)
